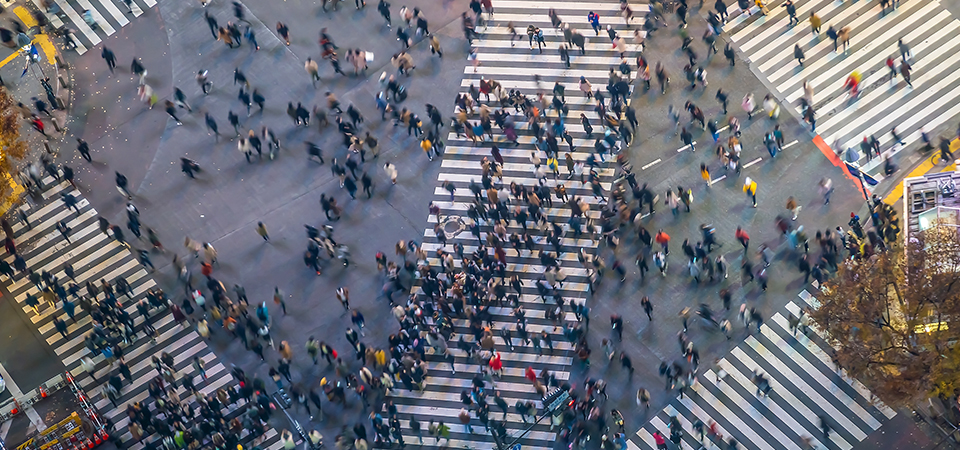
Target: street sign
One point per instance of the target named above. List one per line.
(515, 447)
(555, 400)
(857, 173)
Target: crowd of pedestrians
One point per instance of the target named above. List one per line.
(432, 293)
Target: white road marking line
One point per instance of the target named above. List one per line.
(759, 158)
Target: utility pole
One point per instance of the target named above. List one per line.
(554, 403)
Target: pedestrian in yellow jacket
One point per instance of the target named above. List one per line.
(815, 23)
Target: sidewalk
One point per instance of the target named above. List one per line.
(24, 81)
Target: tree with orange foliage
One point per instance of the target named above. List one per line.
(12, 147)
(894, 319)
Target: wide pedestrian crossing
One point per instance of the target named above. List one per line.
(110, 16)
(805, 388)
(925, 27)
(96, 256)
(516, 66)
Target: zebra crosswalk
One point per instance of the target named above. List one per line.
(96, 256)
(805, 388)
(926, 28)
(109, 15)
(514, 65)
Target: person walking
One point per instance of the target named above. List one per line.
(594, 20)
(251, 38)
(687, 138)
(892, 67)
(660, 440)
(110, 58)
(798, 53)
(815, 22)
(64, 230)
(844, 37)
(313, 69)
(825, 187)
(244, 146)
(464, 417)
(278, 299)
(663, 239)
(391, 172)
(435, 46)
(792, 12)
(662, 78)
(722, 99)
(259, 100)
(137, 69)
(209, 254)
(212, 126)
(384, 8)
(284, 32)
(743, 238)
(180, 99)
(84, 150)
(205, 84)
(367, 183)
(212, 24)
(905, 71)
(351, 187)
(748, 105)
(38, 125)
(122, 184)
(705, 173)
(793, 207)
(905, 53)
(171, 109)
(343, 295)
(244, 97)
(262, 231)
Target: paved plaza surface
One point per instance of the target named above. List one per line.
(229, 197)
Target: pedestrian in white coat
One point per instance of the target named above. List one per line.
(748, 105)
(391, 171)
(209, 253)
(246, 148)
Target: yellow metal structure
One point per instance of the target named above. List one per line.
(55, 434)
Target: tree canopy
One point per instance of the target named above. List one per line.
(893, 318)
(12, 147)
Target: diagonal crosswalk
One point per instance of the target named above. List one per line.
(926, 28)
(517, 66)
(110, 16)
(805, 388)
(96, 256)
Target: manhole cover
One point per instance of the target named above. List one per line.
(453, 225)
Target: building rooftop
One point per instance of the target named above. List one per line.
(931, 199)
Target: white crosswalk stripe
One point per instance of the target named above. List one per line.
(805, 387)
(96, 256)
(925, 27)
(514, 67)
(110, 16)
